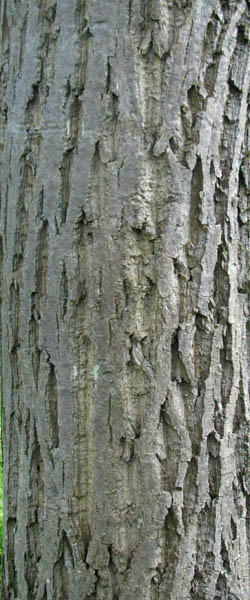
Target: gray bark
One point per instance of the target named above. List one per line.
(124, 254)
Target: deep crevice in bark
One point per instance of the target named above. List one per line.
(51, 405)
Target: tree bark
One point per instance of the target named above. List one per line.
(124, 254)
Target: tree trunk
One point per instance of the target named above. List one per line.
(124, 234)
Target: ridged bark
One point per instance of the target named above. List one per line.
(124, 243)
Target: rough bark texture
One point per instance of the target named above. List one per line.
(124, 240)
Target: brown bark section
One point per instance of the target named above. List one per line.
(124, 255)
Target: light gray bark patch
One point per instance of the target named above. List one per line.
(127, 129)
